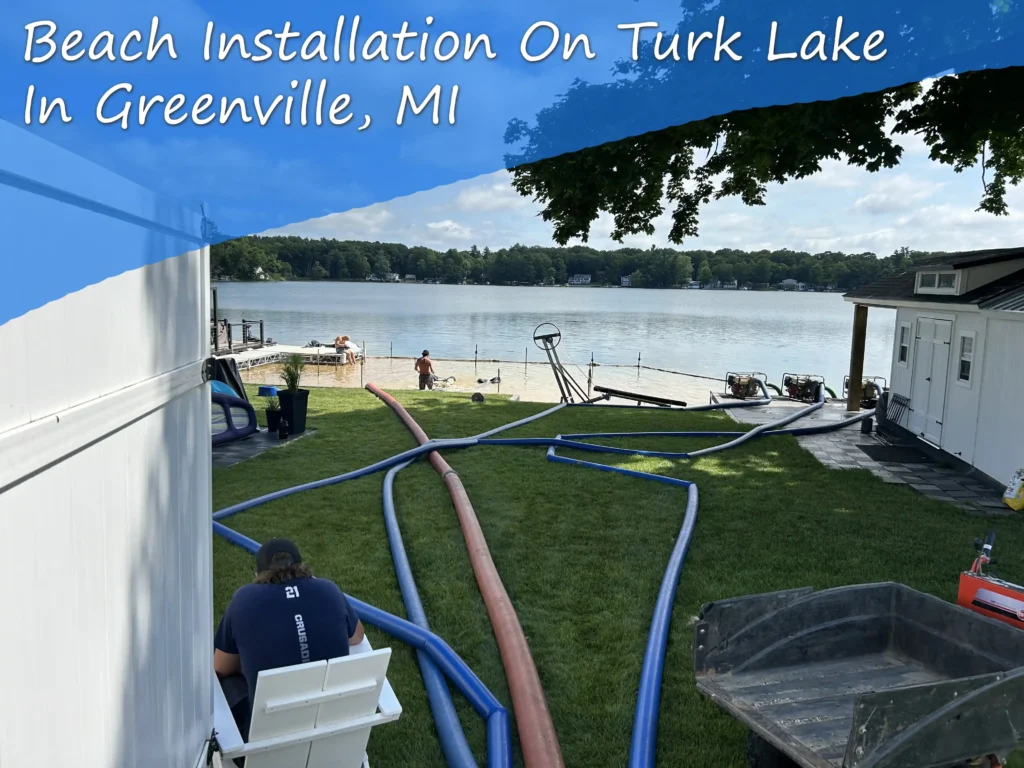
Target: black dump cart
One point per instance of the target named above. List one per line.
(868, 676)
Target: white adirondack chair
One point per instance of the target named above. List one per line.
(315, 715)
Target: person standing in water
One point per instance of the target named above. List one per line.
(424, 366)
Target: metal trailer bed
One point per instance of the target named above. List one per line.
(868, 676)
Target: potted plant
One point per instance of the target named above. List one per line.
(294, 400)
(273, 412)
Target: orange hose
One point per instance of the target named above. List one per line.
(533, 719)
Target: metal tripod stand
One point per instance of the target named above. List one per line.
(570, 391)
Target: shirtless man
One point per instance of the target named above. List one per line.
(425, 368)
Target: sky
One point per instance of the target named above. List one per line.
(920, 204)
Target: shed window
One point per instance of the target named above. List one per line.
(928, 280)
(904, 346)
(963, 374)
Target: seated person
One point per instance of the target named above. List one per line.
(285, 617)
(343, 344)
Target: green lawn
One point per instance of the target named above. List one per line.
(582, 554)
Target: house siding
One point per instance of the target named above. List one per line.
(960, 421)
(975, 277)
(106, 652)
(999, 450)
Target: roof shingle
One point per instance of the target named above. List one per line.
(900, 287)
(966, 259)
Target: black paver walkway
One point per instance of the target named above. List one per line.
(227, 454)
(841, 450)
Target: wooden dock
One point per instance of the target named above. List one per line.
(268, 355)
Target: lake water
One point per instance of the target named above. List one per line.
(694, 331)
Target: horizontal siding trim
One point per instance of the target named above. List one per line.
(28, 449)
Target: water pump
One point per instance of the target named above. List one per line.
(745, 385)
(804, 387)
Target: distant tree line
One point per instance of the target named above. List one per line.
(299, 258)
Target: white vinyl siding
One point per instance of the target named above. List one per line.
(105, 471)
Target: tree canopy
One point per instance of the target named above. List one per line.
(278, 258)
(970, 120)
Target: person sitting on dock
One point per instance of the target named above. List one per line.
(344, 344)
(285, 617)
(424, 366)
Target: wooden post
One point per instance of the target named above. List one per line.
(860, 332)
(391, 354)
(475, 350)
(526, 358)
(499, 381)
(216, 324)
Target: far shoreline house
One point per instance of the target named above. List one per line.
(579, 280)
(958, 355)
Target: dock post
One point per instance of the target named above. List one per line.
(860, 330)
(637, 363)
(391, 352)
(590, 375)
(499, 381)
(526, 358)
(476, 349)
(262, 337)
(216, 324)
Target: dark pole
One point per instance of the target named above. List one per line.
(860, 330)
(262, 337)
(476, 349)
(216, 330)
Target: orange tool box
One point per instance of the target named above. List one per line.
(988, 595)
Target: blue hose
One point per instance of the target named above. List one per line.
(499, 740)
(449, 729)
(645, 716)
(412, 453)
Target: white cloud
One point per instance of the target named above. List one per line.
(892, 194)
(496, 195)
(835, 174)
(450, 227)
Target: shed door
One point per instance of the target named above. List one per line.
(931, 371)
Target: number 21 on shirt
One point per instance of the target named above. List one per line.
(291, 592)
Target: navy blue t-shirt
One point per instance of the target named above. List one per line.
(278, 625)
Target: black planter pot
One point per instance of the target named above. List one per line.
(293, 408)
(273, 420)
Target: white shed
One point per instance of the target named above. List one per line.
(958, 354)
(105, 502)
